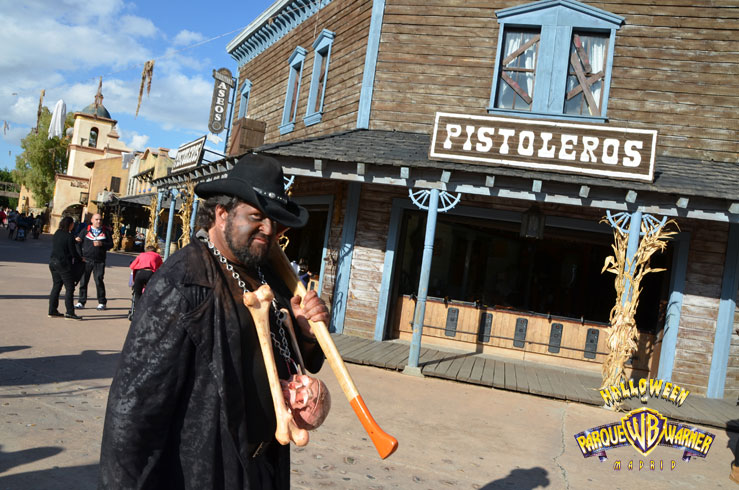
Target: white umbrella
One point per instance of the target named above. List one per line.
(58, 116)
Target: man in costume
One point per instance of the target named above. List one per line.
(190, 405)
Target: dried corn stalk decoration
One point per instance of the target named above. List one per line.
(185, 213)
(116, 229)
(38, 113)
(151, 234)
(622, 332)
(146, 75)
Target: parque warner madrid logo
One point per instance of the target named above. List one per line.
(645, 428)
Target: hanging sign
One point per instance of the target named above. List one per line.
(219, 105)
(598, 150)
(189, 154)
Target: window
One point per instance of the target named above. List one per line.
(518, 70)
(93, 142)
(244, 100)
(115, 184)
(322, 49)
(586, 73)
(554, 60)
(293, 90)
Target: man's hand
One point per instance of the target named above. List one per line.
(97, 244)
(313, 309)
(77, 239)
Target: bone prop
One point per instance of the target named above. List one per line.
(384, 442)
(258, 304)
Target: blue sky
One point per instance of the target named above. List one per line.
(63, 46)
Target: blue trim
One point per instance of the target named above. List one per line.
(423, 281)
(289, 113)
(725, 320)
(674, 306)
(160, 198)
(194, 215)
(322, 49)
(273, 28)
(321, 200)
(170, 220)
(557, 20)
(632, 246)
(244, 101)
(393, 236)
(370, 64)
(344, 267)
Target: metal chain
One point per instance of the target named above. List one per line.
(280, 316)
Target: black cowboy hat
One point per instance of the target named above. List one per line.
(258, 180)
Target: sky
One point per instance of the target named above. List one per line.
(64, 46)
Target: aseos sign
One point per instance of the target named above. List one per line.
(189, 154)
(219, 105)
(620, 153)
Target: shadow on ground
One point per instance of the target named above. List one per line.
(76, 477)
(89, 364)
(17, 458)
(521, 479)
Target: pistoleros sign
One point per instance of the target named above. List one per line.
(219, 105)
(189, 154)
(620, 153)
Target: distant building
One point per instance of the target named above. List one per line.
(94, 137)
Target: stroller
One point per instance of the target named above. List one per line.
(21, 234)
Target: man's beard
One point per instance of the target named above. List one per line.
(244, 254)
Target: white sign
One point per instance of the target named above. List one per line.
(189, 154)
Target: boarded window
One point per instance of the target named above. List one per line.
(518, 69)
(587, 65)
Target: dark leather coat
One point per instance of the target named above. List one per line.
(176, 410)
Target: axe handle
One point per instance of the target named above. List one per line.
(384, 442)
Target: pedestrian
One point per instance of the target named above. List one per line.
(2, 217)
(63, 255)
(94, 241)
(190, 405)
(142, 268)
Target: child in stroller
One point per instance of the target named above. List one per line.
(142, 268)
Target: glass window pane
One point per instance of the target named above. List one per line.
(586, 72)
(517, 69)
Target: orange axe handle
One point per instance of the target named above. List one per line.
(384, 442)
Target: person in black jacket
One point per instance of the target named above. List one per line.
(94, 241)
(63, 255)
(190, 406)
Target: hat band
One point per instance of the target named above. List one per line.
(270, 195)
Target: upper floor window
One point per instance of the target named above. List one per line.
(554, 60)
(244, 99)
(93, 141)
(115, 184)
(293, 90)
(322, 49)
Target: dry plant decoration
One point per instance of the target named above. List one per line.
(146, 75)
(185, 213)
(151, 234)
(622, 333)
(116, 229)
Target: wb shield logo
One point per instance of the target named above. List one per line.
(644, 429)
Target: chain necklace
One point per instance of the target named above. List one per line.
(280, 316)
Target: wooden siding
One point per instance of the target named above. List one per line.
(700, 304)
(375, 204)
(269, 71)
(675, 69)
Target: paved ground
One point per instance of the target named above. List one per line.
(54, 377)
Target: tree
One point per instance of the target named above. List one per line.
(42, 159)
(7, 202)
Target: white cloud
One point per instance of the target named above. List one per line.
(137, 26)
(186, 38)
(138, 142)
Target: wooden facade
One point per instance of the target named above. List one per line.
(395, 63)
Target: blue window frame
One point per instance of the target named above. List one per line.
(295, 62)
(244, 98)
(554, 60)
(322, 49)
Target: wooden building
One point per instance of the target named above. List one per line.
(346, 94)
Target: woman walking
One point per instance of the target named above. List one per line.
(63, 256)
